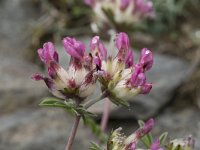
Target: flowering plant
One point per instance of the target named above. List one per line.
(120, 78)
(120, 12)
(118, 141)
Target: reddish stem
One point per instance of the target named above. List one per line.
(73, 133)
(105, 116)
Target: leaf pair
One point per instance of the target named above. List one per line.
(66, 105)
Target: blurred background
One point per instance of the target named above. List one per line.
(173, 36)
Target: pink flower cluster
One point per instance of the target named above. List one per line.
(118, 141)
(123, 11)
(119, 76)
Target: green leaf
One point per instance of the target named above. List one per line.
(68, 106)
(163, 137)
(146, 141)
(88, 121)
(94, 146)
(52, 102)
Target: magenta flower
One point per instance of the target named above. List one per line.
(119, 76)
(78, 81)
(122, 42)
(146, 59)
(119, 141)
(48, 53)
(97, 47)
(156, 145)
(131, 12)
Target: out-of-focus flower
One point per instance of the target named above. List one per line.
(119, 141)
(121, 11)
(119, 76)
(78, 81)
(182, 144)
(156, 145)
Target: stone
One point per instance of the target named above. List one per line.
(17, 16)
(33, 129)
(17, 89)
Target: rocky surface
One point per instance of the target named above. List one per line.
(46, 129)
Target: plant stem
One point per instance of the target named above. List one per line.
(73, 132)
(105, 117)
(93, 101)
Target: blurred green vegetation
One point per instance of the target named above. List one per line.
(170, 14)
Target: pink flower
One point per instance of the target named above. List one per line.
(119, 76)
(146, 59)
(48, 53)
(97, 47)
(78, 81)
(156, 145)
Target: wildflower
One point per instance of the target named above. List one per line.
(119, 76)
(119, 141)
(78, 81)
(182, 144)
(156, 145)
(121, 11)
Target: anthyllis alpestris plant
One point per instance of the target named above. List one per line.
(119, 77)
(120, 12)
(142, 139)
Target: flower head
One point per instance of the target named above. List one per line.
(78, 81)
(182, 144)
(119, 141)
(130, 12)
(119, 76)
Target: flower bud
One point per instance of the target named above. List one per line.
(97, 47)
(48, 53)
(74, 48)
(129, 59)
(146, 88)
(139, 133)
(138, 77)
(122, 42)
(156, 145)
(146, 59)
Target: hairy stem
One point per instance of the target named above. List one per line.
(73, 132)
(93, 101)
(105, 117)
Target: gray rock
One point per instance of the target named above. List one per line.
(46, 129)
(15, 27)
(17, 90)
